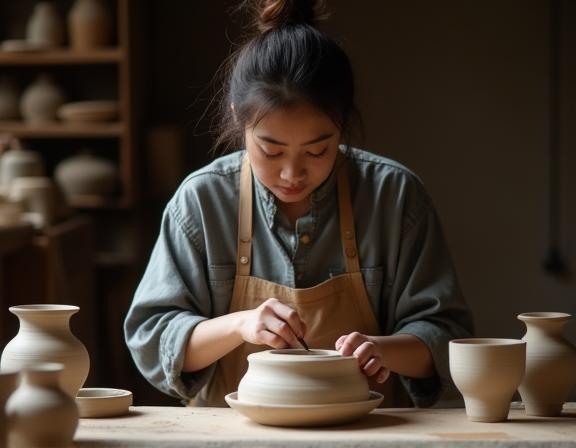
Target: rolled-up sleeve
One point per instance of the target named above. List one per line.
(171, 299)
(430, 304)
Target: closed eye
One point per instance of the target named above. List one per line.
(269, 155)
(318, 154)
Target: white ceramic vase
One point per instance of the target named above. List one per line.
(18, 162)
(45, 336)
(487, 372)
(86, 174)
(299, 377)
(550, 363)
(41, 414)
(8, 381)
(45, 27)
(40, 101)
(89, 25)
(9, 98)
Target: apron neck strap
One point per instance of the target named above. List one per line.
(244, 251)
(347, 232)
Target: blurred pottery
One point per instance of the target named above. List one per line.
(9, 98)
(45, 27)
(41, 99)
(96, 402)
(38, 194)
(89, 25)
(17, 162)
(45, 336)
(86, 174)
(550, 363)
(11, 213)
(41, 414)
(487, 372)
(8, 381)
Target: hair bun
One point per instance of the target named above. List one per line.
(273, 14)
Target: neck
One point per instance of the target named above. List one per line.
(294, 210)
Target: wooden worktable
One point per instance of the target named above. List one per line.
(161, 427)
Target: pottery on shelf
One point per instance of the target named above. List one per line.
(9, 98)
(17, 162)
(40, 101)
(89, 111)
(8, 381)
(487, 372)
(41, 414)
(45, 336)
(45, 27)
(550, 363)
(89, 25)
(38, 194)
(87, 174)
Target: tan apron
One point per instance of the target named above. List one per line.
(337, 306)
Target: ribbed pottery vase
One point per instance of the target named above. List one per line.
(45, 336)
(41, 414)
(8, 381)
(550, 363)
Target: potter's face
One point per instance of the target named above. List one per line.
(292, 151)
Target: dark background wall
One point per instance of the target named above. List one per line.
(458, 91)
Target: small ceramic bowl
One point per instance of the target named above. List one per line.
(301, 377)
(103, 402)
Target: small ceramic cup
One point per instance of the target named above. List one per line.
(487, 372)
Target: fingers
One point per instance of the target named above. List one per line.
(277, 325)
(369, 357)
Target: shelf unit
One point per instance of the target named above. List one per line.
(121, 132)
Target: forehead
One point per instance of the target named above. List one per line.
(299, 117)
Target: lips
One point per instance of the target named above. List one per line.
(292, 190)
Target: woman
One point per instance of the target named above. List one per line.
(297, 237)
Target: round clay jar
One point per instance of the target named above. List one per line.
(301, 377)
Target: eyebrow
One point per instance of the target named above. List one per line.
(318, 139)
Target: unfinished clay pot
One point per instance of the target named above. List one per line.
(300, 377)
(45, 336)
(550, 363)
(487, 372)
(41, 414)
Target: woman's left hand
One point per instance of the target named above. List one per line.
(367, 353)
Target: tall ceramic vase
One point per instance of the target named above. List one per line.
(7, 385)
(45, 336)
(41, 414)
(550, 364)
(89, 25)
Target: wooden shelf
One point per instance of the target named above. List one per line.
(62, 57)
(96, 202)
(62, 130)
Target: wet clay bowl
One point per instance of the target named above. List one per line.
(300, 377)
(94, 402)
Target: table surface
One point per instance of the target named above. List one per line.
(161, 427)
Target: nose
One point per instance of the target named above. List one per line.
(293, 172)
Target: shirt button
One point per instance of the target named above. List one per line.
(244, 260)
(305, 238)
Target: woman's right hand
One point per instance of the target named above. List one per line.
(272, 323)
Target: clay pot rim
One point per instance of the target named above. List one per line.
(486, 342)
(298, 355)
(46, 307)
(541, 315)
(101, 393)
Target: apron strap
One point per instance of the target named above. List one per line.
(244, 251)
(347, 232)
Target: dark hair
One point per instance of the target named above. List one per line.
(288, 61)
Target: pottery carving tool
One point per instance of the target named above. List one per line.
(303, 343)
